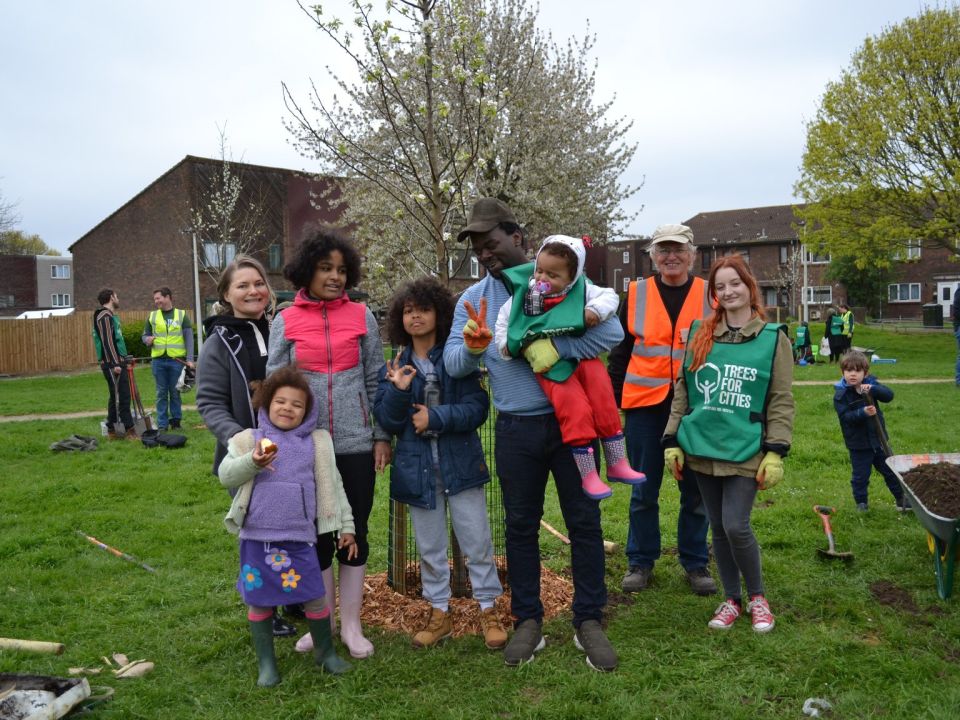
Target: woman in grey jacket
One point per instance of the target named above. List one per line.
(233, 359)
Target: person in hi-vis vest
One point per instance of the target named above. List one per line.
(656, 317)
(169, 335)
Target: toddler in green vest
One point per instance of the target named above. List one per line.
(553, 297)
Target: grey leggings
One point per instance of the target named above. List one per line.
(729, 501)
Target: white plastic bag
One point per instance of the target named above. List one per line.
(825, 347)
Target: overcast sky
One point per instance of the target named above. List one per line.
(102, 97)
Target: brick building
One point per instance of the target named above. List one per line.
(146, 243)
(769, 238)
(35, 282)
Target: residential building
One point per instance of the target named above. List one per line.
(772, 240)
(148, 242)
(35, 282)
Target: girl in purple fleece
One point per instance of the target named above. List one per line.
(289, 492)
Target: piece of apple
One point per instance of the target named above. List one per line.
(267, 446)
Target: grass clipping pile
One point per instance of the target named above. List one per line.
(408, 613)
(937, 486)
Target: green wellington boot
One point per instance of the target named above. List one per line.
(323, 651)
(262, 633)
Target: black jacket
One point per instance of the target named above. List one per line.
(859, 431)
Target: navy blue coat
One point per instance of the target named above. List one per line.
(464, 406)
(859, 431)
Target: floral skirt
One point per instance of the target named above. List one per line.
(279, 573)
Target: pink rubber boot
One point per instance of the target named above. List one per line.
(593, 486)
(618, 468)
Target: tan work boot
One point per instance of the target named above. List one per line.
(494, 636)
(439, 627)
(131, 434)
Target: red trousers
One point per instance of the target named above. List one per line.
(584, 404)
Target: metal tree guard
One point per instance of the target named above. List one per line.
(403, 563)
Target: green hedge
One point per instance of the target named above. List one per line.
(131, 337)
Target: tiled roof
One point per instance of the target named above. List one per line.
(748, 225)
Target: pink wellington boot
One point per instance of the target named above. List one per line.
(618, 468)
(593, 486)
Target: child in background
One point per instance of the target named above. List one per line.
(557, 299)
(289, 492)
(802, 345)
(864, 430)
(438, 461)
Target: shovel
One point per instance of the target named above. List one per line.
(831, 552)
(878, 428)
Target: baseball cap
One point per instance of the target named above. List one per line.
(485, 215)
(672, 233)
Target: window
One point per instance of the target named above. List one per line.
(275, 257)
(784, 254)
(626, 257)
(7, 301)
(705, 260)
(903, 292)
(457, 266)
(474, 267)
(770, 297)
(819, 294)
(60, 272)
(817, 259)
(742, 252)
(218, 255)
(60, 300)
(626, 284)
(910, 252)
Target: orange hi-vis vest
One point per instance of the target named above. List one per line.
(658, 347)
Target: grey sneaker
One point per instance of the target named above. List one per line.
(590, 638)
(637, 579)
(527, 640)
(862, 507)
(903, 504)
(701, 582)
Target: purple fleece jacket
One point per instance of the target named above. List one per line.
(284, 501)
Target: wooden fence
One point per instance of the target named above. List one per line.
(53, 344)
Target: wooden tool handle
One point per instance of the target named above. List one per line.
(31, 646)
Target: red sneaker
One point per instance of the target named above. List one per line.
(725, 615)
(760, 614)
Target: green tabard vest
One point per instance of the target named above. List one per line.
(167, 338)
(803, 337)
(836, 324)
(727, 398)
(564, 318)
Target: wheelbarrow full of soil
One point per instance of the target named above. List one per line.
(932, 484)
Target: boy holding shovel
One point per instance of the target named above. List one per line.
(864, 431)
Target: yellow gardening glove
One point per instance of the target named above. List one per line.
(770, 471)
(673, 459)
(542, 355)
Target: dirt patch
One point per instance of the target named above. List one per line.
(937, 486)
(889, 594)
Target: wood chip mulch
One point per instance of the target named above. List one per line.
(386, 608)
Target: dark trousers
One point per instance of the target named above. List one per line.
(862, 462)
(527, 450)
(118, 386)
(359, 476)
(643, 429)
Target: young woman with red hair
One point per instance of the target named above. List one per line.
(730, 426)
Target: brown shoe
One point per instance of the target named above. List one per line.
(131, 434)
(111, 435)
(494, 636)
(439, 627)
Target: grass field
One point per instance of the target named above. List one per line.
(835, 638)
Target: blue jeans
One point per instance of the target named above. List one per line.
(863, 461)
(643, 429)
(527, 449)
(166, 372)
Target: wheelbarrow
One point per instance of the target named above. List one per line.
(943, 534)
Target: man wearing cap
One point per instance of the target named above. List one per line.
(656, 318)
(529, 445)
